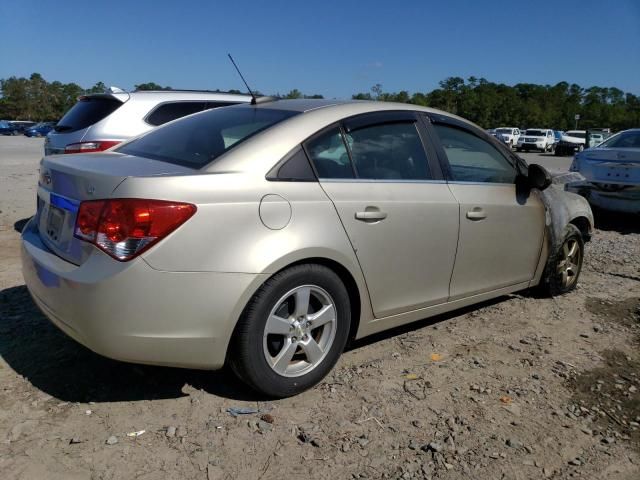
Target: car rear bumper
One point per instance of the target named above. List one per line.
(621, 200)
(131, 312)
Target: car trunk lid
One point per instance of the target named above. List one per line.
(611, 166)
(67, 180)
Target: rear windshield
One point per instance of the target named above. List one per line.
(86, 112)
(198, 140)
(623, 140)
(504, 130)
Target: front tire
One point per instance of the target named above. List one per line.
(565, 264)
(292, 332)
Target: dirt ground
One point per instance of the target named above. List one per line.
(520, 387)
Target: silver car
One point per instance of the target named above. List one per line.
(100, 121)
(611, 173)
(267, 236)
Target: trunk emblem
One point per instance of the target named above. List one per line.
(90, 189)
(46, 177)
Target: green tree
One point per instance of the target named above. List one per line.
(150, 86)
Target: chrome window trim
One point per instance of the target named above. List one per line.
(462, 182)
(374, 180)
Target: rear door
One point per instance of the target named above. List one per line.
(501, 230)
(397, 210)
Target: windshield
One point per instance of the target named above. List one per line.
(197, 140)
(577, 134)
(623, 140)
(504, 130)
(536, 133)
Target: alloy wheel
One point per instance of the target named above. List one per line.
(299, 331)
(569, 264)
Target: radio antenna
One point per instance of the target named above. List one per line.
(253, 96)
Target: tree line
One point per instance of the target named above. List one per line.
(524, 105)
(486, 103)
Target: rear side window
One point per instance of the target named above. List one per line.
(86, 112)
(170, 111)
(198, 140)
(390, 151)
(473, 159)
(329, 155)
(167, 112)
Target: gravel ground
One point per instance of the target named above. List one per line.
(519, 387)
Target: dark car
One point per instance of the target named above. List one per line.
(40, 129)
(8, 128)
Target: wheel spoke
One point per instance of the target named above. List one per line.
(281, 362)
(277, 326)
(312, 350)
(323, 316)
(302, 296)
(565, 278)
(565, 250)
(562, 265)
(573, 249)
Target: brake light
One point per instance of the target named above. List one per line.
(126, 227)
(89, 147)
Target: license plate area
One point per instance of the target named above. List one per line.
(55, 221)
(618, 173)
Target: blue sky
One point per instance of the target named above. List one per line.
(334, 48)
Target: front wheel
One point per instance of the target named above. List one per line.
(292, 332)
(565, 263)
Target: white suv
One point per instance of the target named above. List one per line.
(536, 139)
(97, 122)
(508, 135)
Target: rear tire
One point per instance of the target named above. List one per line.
(292, 332)
(565, 264)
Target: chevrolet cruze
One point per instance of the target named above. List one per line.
(266, 236)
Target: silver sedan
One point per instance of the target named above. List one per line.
(267, 236)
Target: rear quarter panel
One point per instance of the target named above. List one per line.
(227, 233)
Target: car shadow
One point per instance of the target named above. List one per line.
(19, 225)
(624, 223)
(57, 365)
(64, 369)
(418, 324)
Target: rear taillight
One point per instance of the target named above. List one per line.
(89, 147)
(124, 228)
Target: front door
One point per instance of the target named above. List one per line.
(501, 231)
(401, 219)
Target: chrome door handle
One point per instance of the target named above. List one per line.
(371, 215)
(476, 213)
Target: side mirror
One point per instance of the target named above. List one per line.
(538, 176)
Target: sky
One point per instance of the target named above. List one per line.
(332, 48)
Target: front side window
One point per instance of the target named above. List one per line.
(390, 151)
(198, 140)
(472, 159)
(329, 155)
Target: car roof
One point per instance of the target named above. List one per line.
(345, 108)
(271, 145)
(173, 95)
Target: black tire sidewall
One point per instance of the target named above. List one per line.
(247, 358)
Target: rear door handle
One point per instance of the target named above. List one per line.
(371, 214)
(476, 213)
